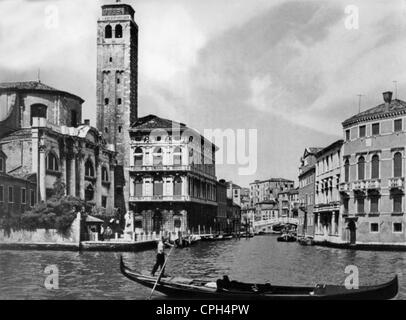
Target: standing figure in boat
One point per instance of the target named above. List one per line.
(160, 256)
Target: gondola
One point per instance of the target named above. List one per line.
(286, 238)
(178, 287)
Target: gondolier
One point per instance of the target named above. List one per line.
(160, 256)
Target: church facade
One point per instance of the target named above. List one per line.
(43, 135)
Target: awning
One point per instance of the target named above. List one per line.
(91, 219)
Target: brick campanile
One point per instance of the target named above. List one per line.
(117, 86)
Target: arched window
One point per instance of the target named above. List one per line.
(119, 31)
(375, 167)
(157, 157)
(138, 157)
(89, 169)
(361, 168)
(108, 32)
(397, 165)
(105, 174)
(177, 156)
(158, 186)
(52, 162)
(347, 171)
(138, 187)
(177, 186)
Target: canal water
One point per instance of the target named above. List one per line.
(96, 275)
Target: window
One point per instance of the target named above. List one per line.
(345, 203)
(120, 128)
(119, 31)
(177, 156)
(118, 80)
(23, 196)
(347, 171)
(375, 129)
(10, 195)
(362, 131)
(119, 101)
(360, 205)
(158, 186)
(52, 162)
(347, 135)
(32, 198)
(106, 130)
(397, 203)
(361, 168)
(2, 169)
(73, 118)
(105, 174)
(375, 167)
(38, 111)
(374, 227)
(106, 101)
(177, 186)
(1, 193)
(138, 187)
(108, 32)
(397, 165)
(89, 169)
(397, 227)
(397, 124)
(138, 157)
(374, 205)
(111, 59)
(104, 202)
(157, 157)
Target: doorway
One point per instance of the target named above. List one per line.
(353, 234)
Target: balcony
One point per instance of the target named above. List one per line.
(359, 186)
(345, 187)
(373, 184)
(159, 198)
(397, 183)
(327, 207)
(160, 168)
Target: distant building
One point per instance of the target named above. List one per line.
(327, 199)
(221, 220)
(42, 133)
(266, 190)
(306, 191)
(234, 192)
(172, 177)
(266, 216)
(245, 198)
(373, 175)
(288, 202)
(16, 194)
(233, 217)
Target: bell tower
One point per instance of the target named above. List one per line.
(117, 86)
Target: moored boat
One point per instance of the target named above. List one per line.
(305, 241)
(179, 287)
(286, 237)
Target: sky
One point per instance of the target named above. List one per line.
(291, 70)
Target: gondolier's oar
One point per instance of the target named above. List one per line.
(160, 272)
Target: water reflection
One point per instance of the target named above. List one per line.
(96, 275)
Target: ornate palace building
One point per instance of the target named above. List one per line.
(172, 177)
(373, 175)
(327, 196)
(42, 134)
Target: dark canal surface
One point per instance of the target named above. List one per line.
(96, 275)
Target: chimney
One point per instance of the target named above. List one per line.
(87, 122)
(387, 97)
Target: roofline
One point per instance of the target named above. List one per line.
(337, 143)
(272, 180)
(49, 91)
(369, 117)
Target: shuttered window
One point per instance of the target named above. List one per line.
(375, 167)
(361, 168)
(397, 165)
